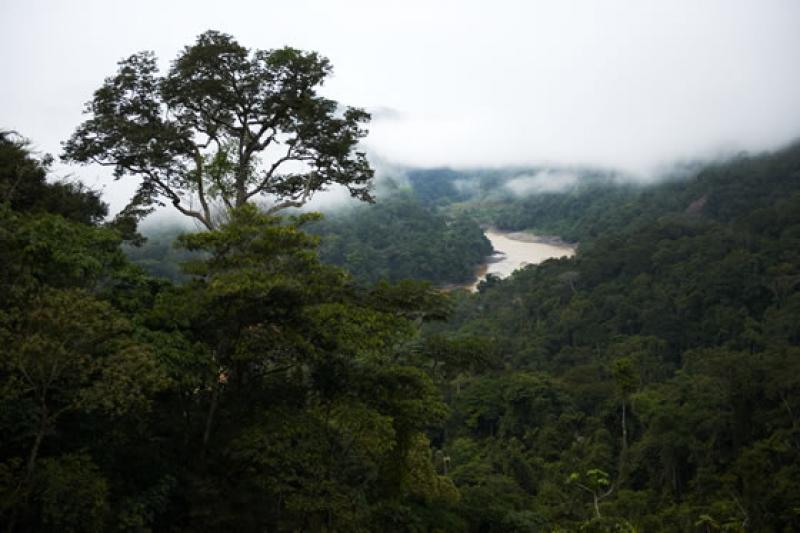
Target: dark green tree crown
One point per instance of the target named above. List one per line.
(225, 125)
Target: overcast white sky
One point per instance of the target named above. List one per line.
(630, 84)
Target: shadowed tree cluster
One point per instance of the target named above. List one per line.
(650, 382)
(266, 392)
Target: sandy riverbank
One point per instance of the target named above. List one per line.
(524, 236)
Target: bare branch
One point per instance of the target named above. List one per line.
(268, 174)
(296, 200)
(171, 194)
(198, 159)
(176, 199)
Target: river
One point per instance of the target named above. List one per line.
(514, 250)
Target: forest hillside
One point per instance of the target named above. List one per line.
(650, 383)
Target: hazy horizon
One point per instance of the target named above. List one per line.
(625, 85)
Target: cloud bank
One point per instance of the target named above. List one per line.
(616, 84)
(545, 181)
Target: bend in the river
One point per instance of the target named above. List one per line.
(514, 250)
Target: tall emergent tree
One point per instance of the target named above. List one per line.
(225, 125)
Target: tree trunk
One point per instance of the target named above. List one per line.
(35, 449)
(30, 467)
(624, 427)
(212, 409)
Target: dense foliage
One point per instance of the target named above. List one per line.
(574, 204)
(224, 125)
(159, 254)
(399, 238)
(651, 382)
(267, 392)
(430, 230)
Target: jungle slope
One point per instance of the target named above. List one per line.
(650, 383)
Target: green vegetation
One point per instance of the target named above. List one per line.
(159, 254)
(210, 127)
(576, 210)
(266, 392)
(650, 383)
(399, 238)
